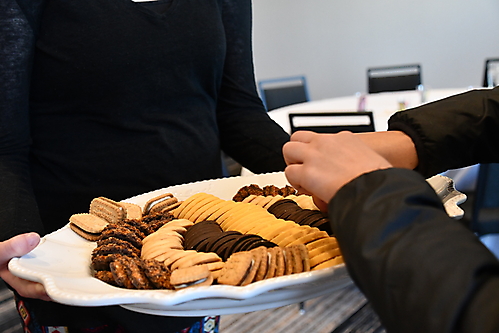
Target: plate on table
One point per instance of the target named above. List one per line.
(61, 262)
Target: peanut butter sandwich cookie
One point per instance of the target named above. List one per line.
(87, 226)
(237, 269)
(191, 276)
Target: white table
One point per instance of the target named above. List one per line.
(383, 105)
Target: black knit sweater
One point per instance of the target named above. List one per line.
(123, 100)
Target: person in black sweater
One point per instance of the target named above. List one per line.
(117, 98)
(421, 270)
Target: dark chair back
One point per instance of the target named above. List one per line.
(397, 78)
(332, 122)
(276, 93)
(485, 218)
(491, 73)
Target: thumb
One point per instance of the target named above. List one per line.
(18, 246)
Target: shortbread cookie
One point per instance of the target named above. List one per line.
(273, 201)
(329, 263)
(182, 208)
(320, 242)
(311, 236)
(174, 255)
(324, 256)
(199, 258)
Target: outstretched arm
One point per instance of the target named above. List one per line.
(320, 164)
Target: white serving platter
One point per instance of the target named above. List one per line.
(61, 262)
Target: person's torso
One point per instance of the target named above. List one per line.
(123, 98)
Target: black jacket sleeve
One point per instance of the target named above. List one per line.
(247, 133)
(421, 270)
(458, 131)
(18, 24)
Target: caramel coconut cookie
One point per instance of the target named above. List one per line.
(268, 190)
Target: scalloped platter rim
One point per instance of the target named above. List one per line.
(61, 262)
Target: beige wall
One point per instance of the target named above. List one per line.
(333, 42)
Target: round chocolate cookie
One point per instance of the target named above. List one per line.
(282, 209)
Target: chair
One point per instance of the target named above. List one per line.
(485, 217)
(332, 122)
(491, 73)
(396, 78)
(229, 166)
(276, 93)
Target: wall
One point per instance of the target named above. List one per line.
(333, 42)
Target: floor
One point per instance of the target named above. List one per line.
(344, 310)
(320, 315)
(9, 318)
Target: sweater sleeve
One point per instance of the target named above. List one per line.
(422, 271)
(455, 132)
(18, 211)
(247, 133)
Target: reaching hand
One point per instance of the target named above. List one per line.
(15, 247)
(320, 164)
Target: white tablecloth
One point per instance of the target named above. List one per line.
(383, 105)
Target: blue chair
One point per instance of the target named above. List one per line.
(276, 93)
(395, 78)
(485, 219)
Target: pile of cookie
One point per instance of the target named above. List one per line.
(256, 219)
(119, 230)
(201, 241)
(291, 208)
(208, 236)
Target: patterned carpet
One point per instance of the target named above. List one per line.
(345, 310)
(321, 315)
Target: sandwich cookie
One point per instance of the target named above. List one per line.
(88, 226)
(237, 270)
(194, 276)
(107, 209)
(162, 203)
